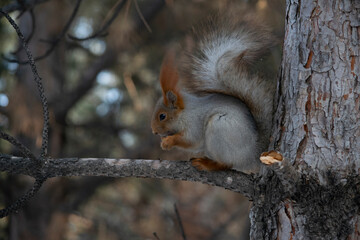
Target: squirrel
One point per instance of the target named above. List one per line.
(213, 105)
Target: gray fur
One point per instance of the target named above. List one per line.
(227, 111)
(220, 128)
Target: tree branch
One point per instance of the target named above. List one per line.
(23, 149)
(149, 13)
(102, 31)
(54, 42)
(37, 162)
(161, 169)
(182, 230)
(15, 5)
(38, 81)
(65, 101)
(29, 37)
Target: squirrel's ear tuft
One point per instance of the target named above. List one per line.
(171, 99)
(169, 78)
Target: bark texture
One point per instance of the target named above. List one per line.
(318, 110)
(109, 167)
(315, 194)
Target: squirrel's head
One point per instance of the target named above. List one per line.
(165, 117)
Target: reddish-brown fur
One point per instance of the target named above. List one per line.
(208, 164)
(215, 68)
(174, 140)
(169, 78)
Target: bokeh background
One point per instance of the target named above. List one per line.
(101, 95)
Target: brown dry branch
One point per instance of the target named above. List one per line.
(182, 230)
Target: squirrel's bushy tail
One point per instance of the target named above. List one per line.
(220, 58)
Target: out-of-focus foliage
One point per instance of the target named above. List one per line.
(113, 118)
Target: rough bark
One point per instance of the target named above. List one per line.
(314, 193)
(108, 167)
(319, 93)
(316, 127)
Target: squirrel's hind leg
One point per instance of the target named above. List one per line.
(206, 164)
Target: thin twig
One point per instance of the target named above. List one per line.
(39, 162)
(111, 11)
(53, 42)
(19, 203)
(150, 12)
(220, 229)
(16, 6)
(156, 236)
(39, 84)
(33, 27)
(63, 102)
(180, 222)
(23, 149)
(141, 16)
(102, 31)
(40, 87)
(127, 8)
(22, 4)
(131, 88)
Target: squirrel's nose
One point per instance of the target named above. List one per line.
(156, 133)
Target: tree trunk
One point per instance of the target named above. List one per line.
(315, 194)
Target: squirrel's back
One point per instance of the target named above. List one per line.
(219, 60)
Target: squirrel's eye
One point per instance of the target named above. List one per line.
(162, 116)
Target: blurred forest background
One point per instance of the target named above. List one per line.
(101, 93)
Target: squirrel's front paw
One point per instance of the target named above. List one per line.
(167, 143)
